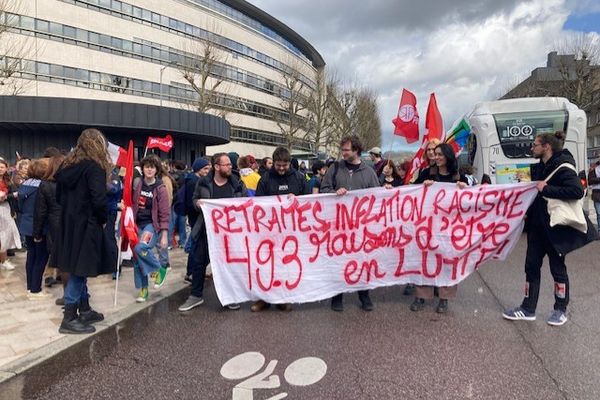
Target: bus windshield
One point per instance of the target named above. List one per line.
(517, 131)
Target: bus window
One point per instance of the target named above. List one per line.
(517, 131)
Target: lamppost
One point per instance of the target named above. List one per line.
(162, 69)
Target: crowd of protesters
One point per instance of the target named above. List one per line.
(63, 208)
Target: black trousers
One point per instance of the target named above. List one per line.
(200, 259)
(538, 246)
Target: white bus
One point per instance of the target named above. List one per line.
(503, 132)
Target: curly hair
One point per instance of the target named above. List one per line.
(91, 145)
(154, 161)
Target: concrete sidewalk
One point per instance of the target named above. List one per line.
(30, 326)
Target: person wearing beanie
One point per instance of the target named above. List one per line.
(233, 156)
(199, 163)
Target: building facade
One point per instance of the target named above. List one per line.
(576, 79)
(176, 58)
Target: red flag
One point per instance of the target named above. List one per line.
(128, 226)
(407, 121)
(433, 120)
(165, 144)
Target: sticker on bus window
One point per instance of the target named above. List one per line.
(512, 173)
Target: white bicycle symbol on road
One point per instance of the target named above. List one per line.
(302, 372)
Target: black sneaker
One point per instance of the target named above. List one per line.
(365, 303)
(417, 305)
(442, 306)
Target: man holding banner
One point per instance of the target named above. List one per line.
(280, 180)
(220, 183)
(343, 176)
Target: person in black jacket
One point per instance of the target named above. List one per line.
(280, 180)
(220, 183)
(46, 216)
(83, 249)
(542, 240)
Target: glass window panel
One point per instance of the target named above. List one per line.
(117, 43)
(105, 40)
(70, 73)
(156, 18)
(147, 50)
(172, 23)
(69, 31)
(137, 48)
(189, 29)
(155, 52)
(127, 8)
(94, 77)
(181, 26)
(104, 3)
(42, 26)
(164, 20)
(94, 37)
(137, 12)
(146, 14)
(83, 74)
(127, 45)
(137, 84)
(56, 70)
(116, 5)
(155, 87)
(43, 68)
(27, 22)
(81, 34)
(164, 55)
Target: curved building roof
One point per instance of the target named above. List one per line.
(302, 44)
(27, 114)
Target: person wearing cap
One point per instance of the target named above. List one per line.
(378, 161)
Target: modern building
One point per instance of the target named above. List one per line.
(578, 80)
(122, 66)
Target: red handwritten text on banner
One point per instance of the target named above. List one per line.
(313, 247)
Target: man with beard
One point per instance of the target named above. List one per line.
(343, 176)
(280, 180)
(220, 183)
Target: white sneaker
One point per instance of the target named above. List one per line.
(7, 265)
(38, 296)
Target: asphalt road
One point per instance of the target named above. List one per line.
(390, 353)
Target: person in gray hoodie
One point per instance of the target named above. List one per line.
(343, 176)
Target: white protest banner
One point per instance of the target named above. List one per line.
(312, 247)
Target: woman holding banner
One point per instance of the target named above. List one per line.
(445, 170)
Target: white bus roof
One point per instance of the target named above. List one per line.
(524, 104)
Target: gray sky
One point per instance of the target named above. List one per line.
(463, 50)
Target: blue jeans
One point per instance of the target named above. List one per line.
(37, 257)
(597, 207)
(76, 290)
(145, 262)
(179, 222)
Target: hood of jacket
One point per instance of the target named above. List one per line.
(29, 187)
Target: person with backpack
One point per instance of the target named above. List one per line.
(280, 180)
(343, 176)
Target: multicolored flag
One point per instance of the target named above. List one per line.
(117, 154)
(459, 136)
(406, 122)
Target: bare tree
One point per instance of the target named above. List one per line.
(320, 116)
(201, 70)
(355, 112)
(580, 75)
(294, 102)
(14, 49)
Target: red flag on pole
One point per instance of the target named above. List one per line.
(128, 226)
(433, 120)
(406, 122)
(165, 144)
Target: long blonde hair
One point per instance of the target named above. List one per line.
(91, 145)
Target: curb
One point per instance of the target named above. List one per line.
(45, 353)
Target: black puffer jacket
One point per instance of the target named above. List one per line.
(564, 185)
(46, 217)
(272, 184)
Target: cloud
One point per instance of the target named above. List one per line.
(463, 53)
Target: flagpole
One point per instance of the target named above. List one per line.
(118, 262)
